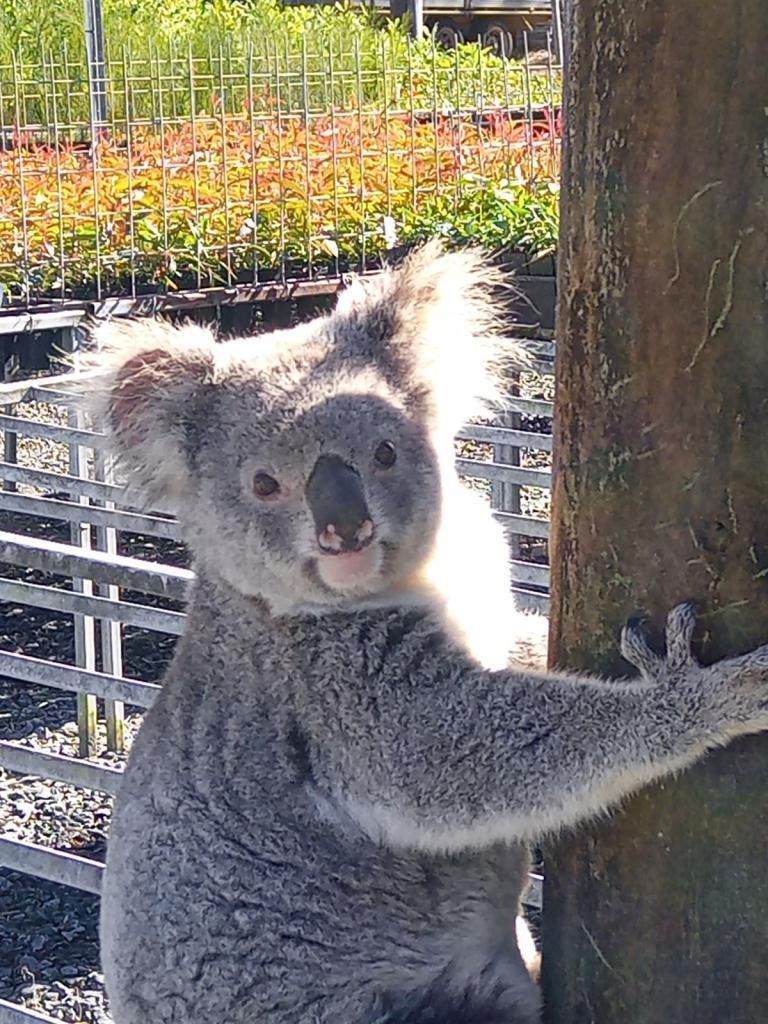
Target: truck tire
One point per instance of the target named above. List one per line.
(496, 37)
(447, 33)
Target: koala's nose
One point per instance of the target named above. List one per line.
(336, 499)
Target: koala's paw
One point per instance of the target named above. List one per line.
(737, 692)
(723, 700)
(635, 648)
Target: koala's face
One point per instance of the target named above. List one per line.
(306, 466)
(311, 498)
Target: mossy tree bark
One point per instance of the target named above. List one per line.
(661, 489)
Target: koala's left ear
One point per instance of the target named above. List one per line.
(431, 326)
(147, 398)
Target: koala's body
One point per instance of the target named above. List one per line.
(325, 813)
(238, 889)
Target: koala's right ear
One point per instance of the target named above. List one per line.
(147, 396)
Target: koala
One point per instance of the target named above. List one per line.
(326, 812)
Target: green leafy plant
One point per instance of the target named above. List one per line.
(504, 216)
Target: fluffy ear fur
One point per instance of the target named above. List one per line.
(155, 376)
(431, 327)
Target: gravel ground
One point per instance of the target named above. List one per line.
(48, 933)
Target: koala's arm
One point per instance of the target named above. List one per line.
(452, 756)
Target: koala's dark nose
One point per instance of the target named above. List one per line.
(337, 501)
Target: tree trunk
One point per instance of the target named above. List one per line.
(661, 489)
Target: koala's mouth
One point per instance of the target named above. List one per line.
(349, 570)
(366, 574)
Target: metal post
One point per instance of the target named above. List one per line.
(557, 31)
(505, 497)
(110, 630)
(398, 8)
(85, 625)
(97, 72)
(416, 12)
(10, 438)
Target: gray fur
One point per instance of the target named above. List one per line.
(325, 813)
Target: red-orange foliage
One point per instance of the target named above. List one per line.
(223, 198)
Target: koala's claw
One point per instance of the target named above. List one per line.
(681, 622)
(638, 652)
(635, 648)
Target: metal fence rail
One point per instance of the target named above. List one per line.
(158, 620)
(10, 1013)
(72, 770)
(52, 508)
(53, 865)
(99, 566)
(77, 680)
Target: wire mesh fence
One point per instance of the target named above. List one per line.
(296, 159)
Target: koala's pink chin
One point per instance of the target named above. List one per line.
(348, 571)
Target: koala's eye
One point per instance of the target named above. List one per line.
(386, 454)
(265, 486)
